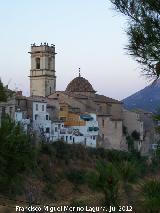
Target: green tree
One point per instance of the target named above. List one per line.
(128, 171)
(3, 96)
(130, 142)
(135, 135)
(151, 191)
(16, 154)
(106, 180)
(143, 32)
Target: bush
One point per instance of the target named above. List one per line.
(48, 149)
(78, 203)
(151, 191)
(17, 153)
(109, 183)
(49, 190)
(127, 171)
(92, 180)
(135, 135)
(77, 176)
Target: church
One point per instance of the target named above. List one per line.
(79, 97)
(76, 115)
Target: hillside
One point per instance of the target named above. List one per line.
(37, 173)
(147, 98)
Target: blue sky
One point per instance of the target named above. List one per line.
(87, 33)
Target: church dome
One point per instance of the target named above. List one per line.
(79, 84)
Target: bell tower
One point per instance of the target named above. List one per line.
(42, 73)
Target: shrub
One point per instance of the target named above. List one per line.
(17, 153)
(108, 183)
(125, 130)
(92, 178)
(77, 176)
(135, 135)
(49, 190)
(47, 149)
(127, 171)
(151, 191)
(78, 203)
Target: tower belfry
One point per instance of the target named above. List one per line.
(42, 73)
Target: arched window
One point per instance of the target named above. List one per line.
(37, 63)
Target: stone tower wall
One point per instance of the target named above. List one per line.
(42, 73)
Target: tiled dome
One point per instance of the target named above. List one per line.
(79, 84)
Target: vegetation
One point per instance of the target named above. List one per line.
(16, 155)
(131, 139)
(54, 172)
(135, 135)
(3, 96)
(143, 32)
(151, 190)
(107, 182)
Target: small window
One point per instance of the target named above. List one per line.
(42, 107)
(37, 63)
(47, 117)
(61, 108)
(56, 129)
(3, 111)
(73, 140)
(36, 107)
(103, 122)
(94, 137)
(66, 138)
(108, 109)
(47, 130)
(36, 116)
(10, 110)
(70, 138)
(100, 108)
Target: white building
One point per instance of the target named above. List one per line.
(41, 119)
(19, 118)
(86, 134)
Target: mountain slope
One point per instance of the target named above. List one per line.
(147, 98)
